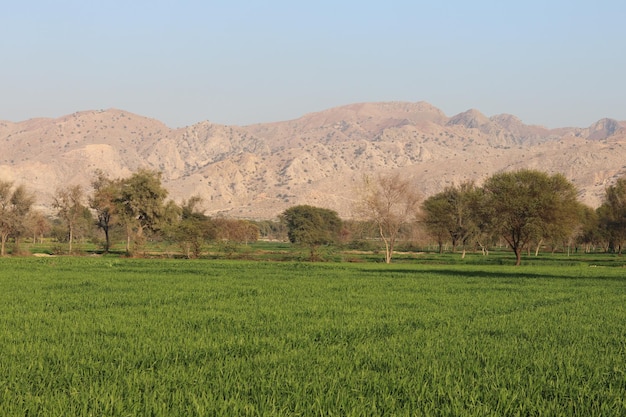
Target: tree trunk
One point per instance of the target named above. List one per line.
(537, 249)
(16, 246)
(129, 231)
(3, 242)
(107, 240)
(518, 256)
(71, 238)
(388, 249)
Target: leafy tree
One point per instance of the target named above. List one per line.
(38, 225)
(612, 215)
(15, 206)
(271, 229)
(588, 233)
(71, 210)
(193, 228)
(230, 233)
(312, 226)
(437, 218)
(389, 201)
(141, 206)
(103, 201)
(236, 230)
(455, 213)
(528, 205)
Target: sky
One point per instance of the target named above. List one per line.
(549, 62)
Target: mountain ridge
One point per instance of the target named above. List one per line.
(257, 171)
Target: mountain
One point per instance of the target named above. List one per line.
(258, 171)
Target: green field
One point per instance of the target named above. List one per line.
(104, 336)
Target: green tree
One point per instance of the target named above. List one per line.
(612, 215)
(141, 206)
(437, 218)
(390, 202)
(70, 208)
(589, 230)
(455, 213)
(236, 230)
(38, 225)
(312, 226)
(193, 228)
(15, 206)
(527, 205)
(103, 201)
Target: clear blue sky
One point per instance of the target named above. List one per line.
(549, 62)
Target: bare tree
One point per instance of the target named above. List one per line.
(388, 201)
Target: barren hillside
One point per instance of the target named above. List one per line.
(257, 171)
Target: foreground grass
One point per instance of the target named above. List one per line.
(119, 337)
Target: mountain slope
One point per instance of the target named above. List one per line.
(257, 171)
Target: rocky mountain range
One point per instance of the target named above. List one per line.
(257, 171)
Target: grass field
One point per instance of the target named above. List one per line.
(92, 336)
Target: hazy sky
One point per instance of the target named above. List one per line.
(549, 62)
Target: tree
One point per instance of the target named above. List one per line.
(103, 202)
(15, 206)
(612, 215)
(437, 218)
(389, 201)
(193, 228)
(141, 206)
(455, 213)
(71, 210)
(528, 204)
(236, 230)
(22, 202)
(38, 225)
(312, 226)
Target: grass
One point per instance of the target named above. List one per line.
(118, 337)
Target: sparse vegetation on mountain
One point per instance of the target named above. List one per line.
(258, 171)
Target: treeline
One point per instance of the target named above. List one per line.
(133, 210)
(525, 209)
(528, 210)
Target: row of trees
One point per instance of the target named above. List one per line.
(139, 206)
(523, 208)
(135, 207)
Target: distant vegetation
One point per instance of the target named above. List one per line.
(528, 211)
